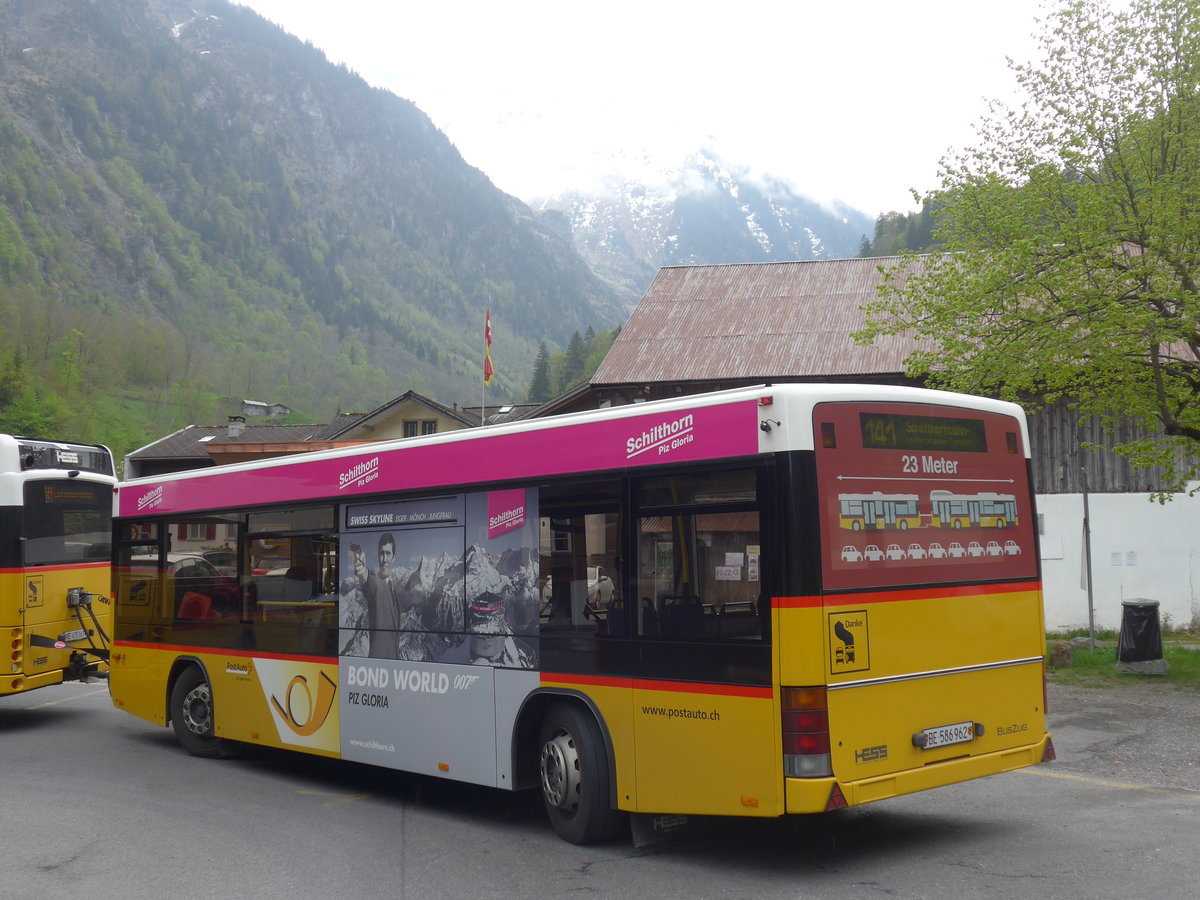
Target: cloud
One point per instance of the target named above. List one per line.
(856, 102)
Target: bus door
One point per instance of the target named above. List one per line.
(703, 709)
(930, 657)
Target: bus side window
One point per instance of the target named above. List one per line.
(699, 552)
(579, 573)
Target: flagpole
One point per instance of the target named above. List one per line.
(487, 362)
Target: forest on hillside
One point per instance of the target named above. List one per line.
(896, 233)
(196, 212)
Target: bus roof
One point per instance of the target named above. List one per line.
(727, 424)
(46, 457)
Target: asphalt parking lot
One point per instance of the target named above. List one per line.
(111, 806)
(1142, 731)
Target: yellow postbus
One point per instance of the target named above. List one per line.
(879, 511)
(56, 502)
(985, 509)
(648, 609)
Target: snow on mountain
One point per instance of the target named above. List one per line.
(704, 212)
(512, 573)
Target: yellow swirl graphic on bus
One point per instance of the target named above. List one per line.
(313, 713)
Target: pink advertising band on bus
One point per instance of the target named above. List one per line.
(683, 435)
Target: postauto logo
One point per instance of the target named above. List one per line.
(300, 710)
(303, 702)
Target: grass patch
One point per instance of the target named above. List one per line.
(1098, 667)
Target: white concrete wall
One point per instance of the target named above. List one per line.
(1141, 550)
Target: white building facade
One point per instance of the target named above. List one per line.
(1140, 551)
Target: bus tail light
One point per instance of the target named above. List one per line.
(828, 436)
(805, 732)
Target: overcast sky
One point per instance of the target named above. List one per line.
(852, 101)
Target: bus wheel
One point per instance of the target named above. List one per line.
(573, 770)
(192, 715)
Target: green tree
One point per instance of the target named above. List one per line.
(574, 365)
(539, 387)
(25, 407)
(12, 380)
(1074, 234)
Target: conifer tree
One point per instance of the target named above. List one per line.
(539, 387)
(574, 370)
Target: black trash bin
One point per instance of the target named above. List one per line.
(1141, 636)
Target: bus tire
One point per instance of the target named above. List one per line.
(574, 776)
(192, 715)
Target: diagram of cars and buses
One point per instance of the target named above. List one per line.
(936, 518)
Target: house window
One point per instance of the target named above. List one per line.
(429, 426)
(199, 531)
(410, 428)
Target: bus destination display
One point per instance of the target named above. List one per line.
(887, 431)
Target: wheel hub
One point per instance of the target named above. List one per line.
(197, 710)
(560, 772)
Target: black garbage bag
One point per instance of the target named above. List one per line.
(1141, 635)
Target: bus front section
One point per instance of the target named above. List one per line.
(55, 539)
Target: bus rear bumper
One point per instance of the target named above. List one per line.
(16, 684)
(813, 795)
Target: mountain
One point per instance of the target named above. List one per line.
(194, 204)
(704, 212)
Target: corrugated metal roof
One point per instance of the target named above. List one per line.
(754, 321)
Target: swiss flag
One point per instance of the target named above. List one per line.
(487, 349)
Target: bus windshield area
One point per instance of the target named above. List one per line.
(66, 521)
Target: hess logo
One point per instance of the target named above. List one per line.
(304, 713)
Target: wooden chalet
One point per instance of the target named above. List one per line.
(409, 415)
